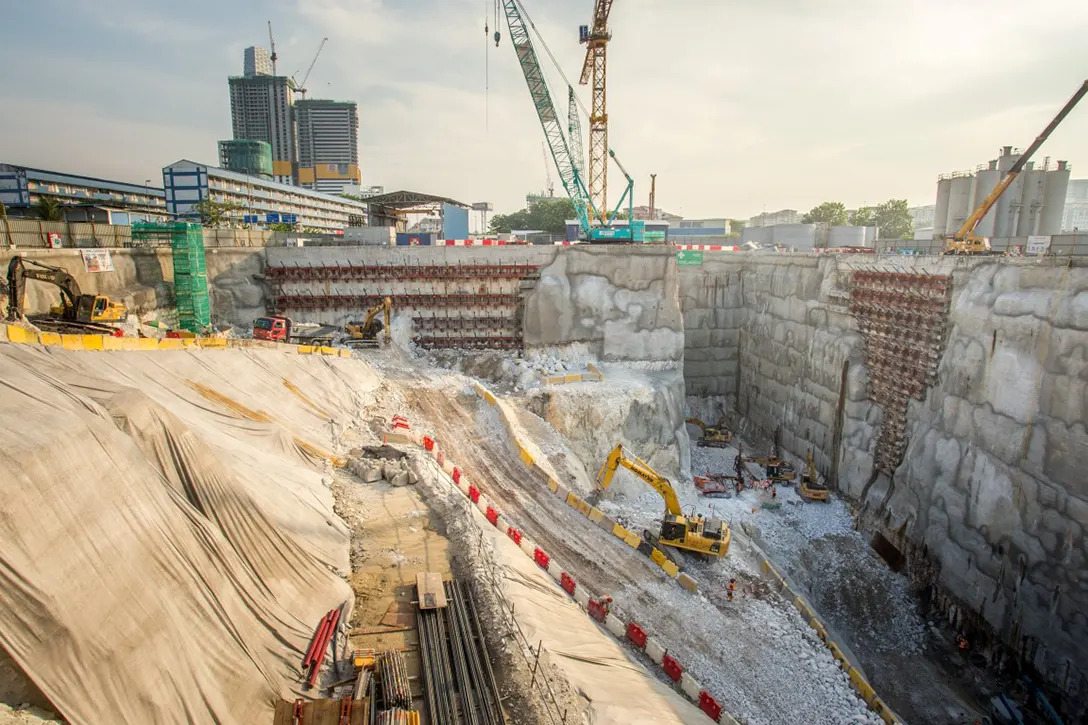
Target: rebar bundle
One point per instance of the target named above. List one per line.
(393, 672)
(397, 716)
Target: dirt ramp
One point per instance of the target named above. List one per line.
(140, 577)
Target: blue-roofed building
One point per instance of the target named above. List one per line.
(259, 200)
(85, 198)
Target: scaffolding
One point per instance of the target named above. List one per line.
(903, 319)
(190, 271)
(466, 306)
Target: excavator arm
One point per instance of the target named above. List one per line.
(696, 421)
(20, 270)
(641, 469)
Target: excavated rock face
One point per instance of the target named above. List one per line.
(989, 500)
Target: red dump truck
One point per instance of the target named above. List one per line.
(279, 328)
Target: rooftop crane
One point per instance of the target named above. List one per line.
(569, 172)
(300, 88)
(964, 240)
(272, 43)
(596, 39)
(706, 536)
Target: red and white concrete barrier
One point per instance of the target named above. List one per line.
(706, 248)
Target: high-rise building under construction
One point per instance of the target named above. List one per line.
(261, 110)
(328, 144)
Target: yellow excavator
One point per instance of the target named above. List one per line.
(698, 534)
(77, 312)
(964, 240)
(713, 437)
(811, 488)
(365, 333)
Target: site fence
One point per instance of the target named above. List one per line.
(37, 234)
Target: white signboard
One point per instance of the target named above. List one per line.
(1037, 245)
(97, 260)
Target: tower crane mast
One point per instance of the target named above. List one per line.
(595, 38)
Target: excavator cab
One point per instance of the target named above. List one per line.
(89, 308)
(698, 534)
(364, 333)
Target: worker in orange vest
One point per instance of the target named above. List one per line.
(961, 642)
(732, 589)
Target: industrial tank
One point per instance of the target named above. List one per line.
(1054, 193)
(940, 210)
(985, 181)
(1008, 207)
(1031, 202)
(959, 201)
(850, 236)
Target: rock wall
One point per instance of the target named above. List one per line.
(619, 302)
(990, 502)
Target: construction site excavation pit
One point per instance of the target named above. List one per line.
(215, 502)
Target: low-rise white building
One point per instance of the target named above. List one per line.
(188, 183)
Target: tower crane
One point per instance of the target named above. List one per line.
(596, 39)
(272, 43)
(300, 88)
(569, 171)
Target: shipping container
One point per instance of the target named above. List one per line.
(425, 239)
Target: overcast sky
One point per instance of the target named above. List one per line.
(738, 106)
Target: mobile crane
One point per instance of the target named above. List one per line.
(964, 240)
(365, 333)
(77, 312)
(698, 534)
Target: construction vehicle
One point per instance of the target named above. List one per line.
(717, 436)
(278, 328)
(777, 470)
(365, 333)
(698, 534)
(717, 485)
(595, 224)
(964, 240)
(811, 489)
(77, 312)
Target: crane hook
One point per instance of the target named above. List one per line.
(497, 36)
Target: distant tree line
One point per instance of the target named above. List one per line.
(892, 217)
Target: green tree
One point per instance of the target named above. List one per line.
(894, 219)
(737, 225)
(282, 227)
(215, 213)
(865, 216)
(49, 209)
(830, 212)
(547, 215)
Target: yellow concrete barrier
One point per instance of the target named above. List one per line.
(171, 343)
(305, 349)
(658, 558)
(595, 514)
(584, 508)
(526, 458)
(50, 339)
(112, 343)
(619, 532)
(632, 539)
(328, 350)
(573, 500)
(93, 342)
(22, 336)
(671, 569)
(71, 342)
(345, 353)
(218, 342)
(553, 485)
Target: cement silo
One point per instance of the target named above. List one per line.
(1009, 205)
(940, 209)
(1057, 186)
(850, 236)
(1032, 183)
(959, 201)
(985, 181)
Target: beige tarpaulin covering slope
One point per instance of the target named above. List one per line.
(619, 691)
(163, 558)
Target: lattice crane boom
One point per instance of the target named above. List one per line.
(595, 69)
(547, 115)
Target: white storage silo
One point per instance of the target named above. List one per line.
(940, 209)
(959, 202)
(985, 181)
(1032, 183)
(1057, 186)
